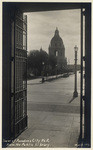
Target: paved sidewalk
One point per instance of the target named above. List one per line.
(50, 129)
(53, 116)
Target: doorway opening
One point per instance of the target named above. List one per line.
(51, 104)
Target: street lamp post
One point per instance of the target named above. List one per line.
(56, 71)
(75, 94)
(43, 72)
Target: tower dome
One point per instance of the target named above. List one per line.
(56, 40)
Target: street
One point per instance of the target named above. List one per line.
(53, 114)
(59, 91)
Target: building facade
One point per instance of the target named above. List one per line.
(56, 48)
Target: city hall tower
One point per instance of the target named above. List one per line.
(56, 48)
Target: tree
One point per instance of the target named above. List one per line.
(40, 63)
(52, 61)
(37, 60)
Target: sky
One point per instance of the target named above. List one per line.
(41, 27)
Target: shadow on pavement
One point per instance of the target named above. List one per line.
(72, 99)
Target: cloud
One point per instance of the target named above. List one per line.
(42, 25)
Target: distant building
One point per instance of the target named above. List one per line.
(57, 49)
